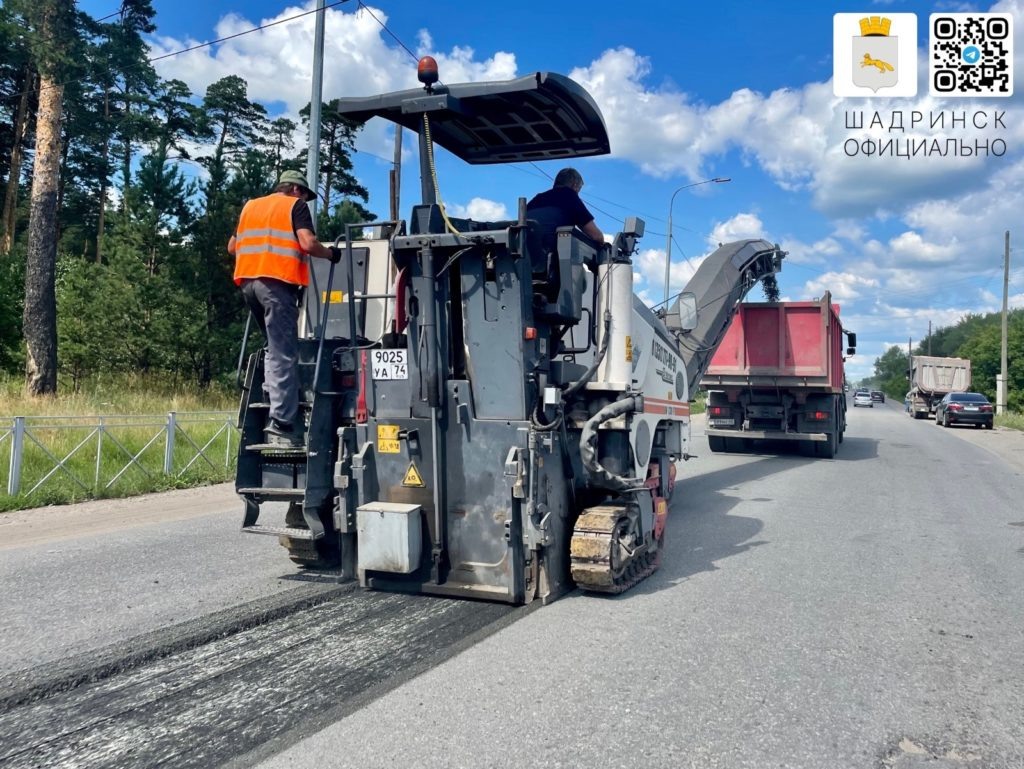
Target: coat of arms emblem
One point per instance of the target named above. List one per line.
(875, 55)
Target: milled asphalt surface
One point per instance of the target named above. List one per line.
(237, 694)
(859, 612)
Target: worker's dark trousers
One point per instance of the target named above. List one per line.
(274, 305)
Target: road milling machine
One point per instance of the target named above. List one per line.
(483, 418)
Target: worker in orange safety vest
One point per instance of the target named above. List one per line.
(271, 244)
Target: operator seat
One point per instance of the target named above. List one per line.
(557, 270)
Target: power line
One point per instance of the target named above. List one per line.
(245, 32)
(381, 158)
(199, 46)
(51, 37)
(590, 198)
(118, 12)
(396, 38)
(546, 175)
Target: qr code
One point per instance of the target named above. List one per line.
(971, 54)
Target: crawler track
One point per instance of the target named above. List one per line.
(599, 562)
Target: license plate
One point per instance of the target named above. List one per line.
(721, 423)
(970, 408)
(389, 364)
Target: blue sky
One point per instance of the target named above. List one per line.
(689, 91)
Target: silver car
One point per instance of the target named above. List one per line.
(863, 399)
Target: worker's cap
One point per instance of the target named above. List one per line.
(295, 177)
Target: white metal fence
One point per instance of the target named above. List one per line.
(185, 439)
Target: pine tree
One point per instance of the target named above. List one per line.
(17, 99)
(56, 35)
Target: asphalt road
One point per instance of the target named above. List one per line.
(859, 612)
(106, 578)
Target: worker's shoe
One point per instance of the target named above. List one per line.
(293, 518)
(283, 435)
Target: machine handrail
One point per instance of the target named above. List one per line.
(350, 292)
(241, 352)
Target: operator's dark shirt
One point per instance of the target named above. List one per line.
(554, 208)
(302, 219)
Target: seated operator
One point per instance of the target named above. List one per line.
(560, 207)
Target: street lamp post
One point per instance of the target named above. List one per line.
(668, 245)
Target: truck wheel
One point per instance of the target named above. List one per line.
(716, 443)
(826, 449)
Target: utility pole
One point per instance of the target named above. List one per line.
(396, 176)
(1001, 379)
(929, 338)
(313, 158)
(910, 362)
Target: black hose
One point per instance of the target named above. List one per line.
(588, 444)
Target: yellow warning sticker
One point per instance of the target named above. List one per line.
(413, 477)
(387, 439)
(336, 297)
(629, 348)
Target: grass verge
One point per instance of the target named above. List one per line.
(1012, 419)
(111, 440)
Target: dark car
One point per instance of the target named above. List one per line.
(964, 409)
(878, 396)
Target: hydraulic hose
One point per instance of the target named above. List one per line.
(588, 444)
(433, 176)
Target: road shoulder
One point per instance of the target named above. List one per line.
(22, 528)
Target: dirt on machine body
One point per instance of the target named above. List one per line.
(485, 419)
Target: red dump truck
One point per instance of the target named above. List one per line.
(778, 375)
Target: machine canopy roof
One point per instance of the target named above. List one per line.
(543, 116)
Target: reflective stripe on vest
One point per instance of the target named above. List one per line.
(265, 244)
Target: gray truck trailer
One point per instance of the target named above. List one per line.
(932, 378)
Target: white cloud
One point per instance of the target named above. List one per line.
(666, 134)
(797, 136)
(821, 251)
(479, 209)
(277, 62)
(739, 227)
(649, 267)
(909, 248)
(844, 286)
